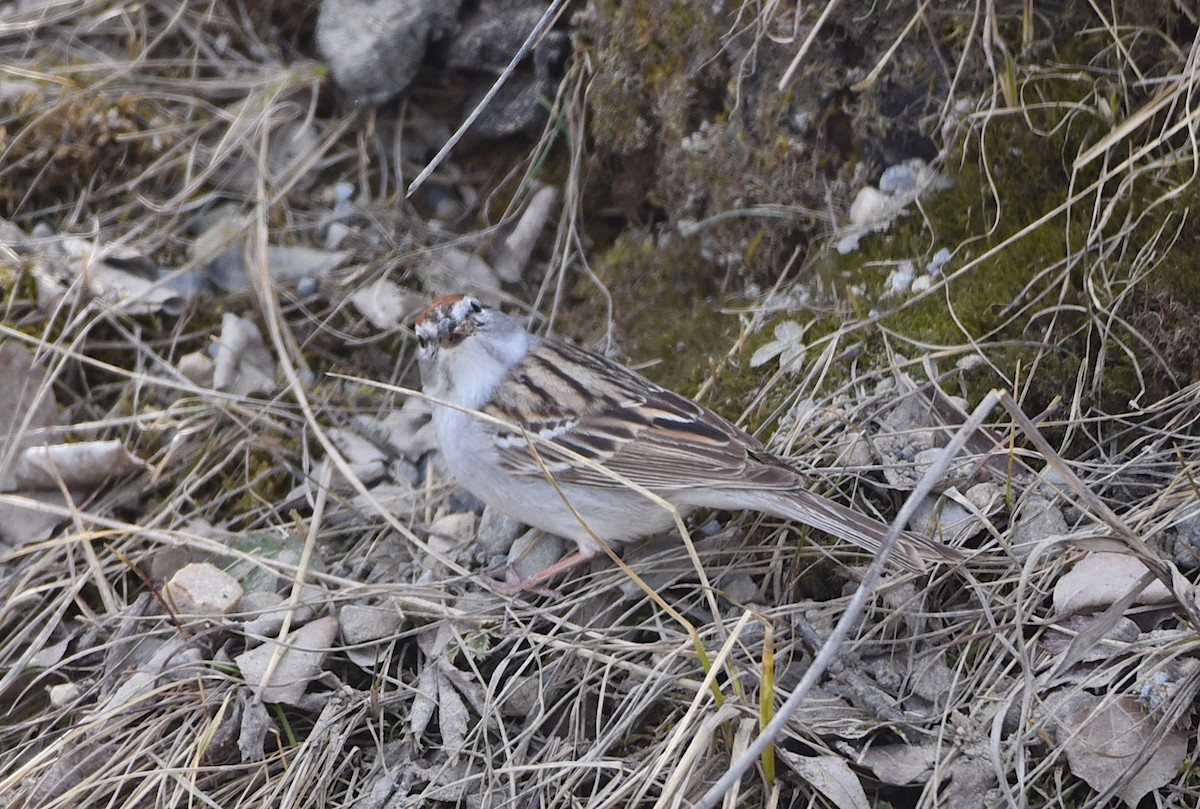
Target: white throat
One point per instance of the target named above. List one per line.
(481, 362)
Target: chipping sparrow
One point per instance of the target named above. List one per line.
(555, 394)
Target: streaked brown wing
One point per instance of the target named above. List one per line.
(591, 406)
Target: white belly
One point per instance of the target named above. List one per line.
(615, 515)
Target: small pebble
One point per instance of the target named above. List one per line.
(203, 589)
(901, 279)
(898, 179)
(343, 193)
(497, 532)
(939, 260)
(335, 235)
(63, 694)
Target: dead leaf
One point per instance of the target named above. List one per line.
(84, 464)
(453, 716)
(900, 764)
(256, 724)
(512, 254)
(425, 700)
(79, 763)
(432, 644)
(385, 304)
(828, 714)
(117, 274)
(442, 686)
(1104, 739)
(244, 364)
(28, 411)
(829, 775)
(21, 524)
(1100, 579)
(1059, 637)
(302, 662)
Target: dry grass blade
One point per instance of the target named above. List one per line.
(853, 612)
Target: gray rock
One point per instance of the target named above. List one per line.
(303, 660)
(497, 532)
(409, 430)
(1186, 549)
(374, 47)
(263, 613)
(363, 624)
(451, 270)
(1036, 519)
(450, 533)
(533, 552)
(400, 499)
(203, 589)
(402, 471)
(366, 631)
(491, 35)
(489, 39)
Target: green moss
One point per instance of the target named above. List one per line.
(63, 145)
(665, 305)
(651, 55)
(672, 139)
(677, 137)
(1040, 303)
(18, 290)
(259, 478)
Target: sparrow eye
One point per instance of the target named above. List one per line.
(476, 307)
(422, 341)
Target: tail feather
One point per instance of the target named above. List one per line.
(912, 552)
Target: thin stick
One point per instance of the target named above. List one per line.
(808, 41)
(854, 611)
(545, 22)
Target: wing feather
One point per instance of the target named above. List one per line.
(589, 405)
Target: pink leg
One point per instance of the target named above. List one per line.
(536, 582)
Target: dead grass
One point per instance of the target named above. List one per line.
(972, 685)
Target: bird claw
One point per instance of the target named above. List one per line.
(513, 588)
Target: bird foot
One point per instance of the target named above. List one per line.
(536, 582)
(512, 588)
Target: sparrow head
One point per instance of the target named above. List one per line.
(447, 322)
(465, 349)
